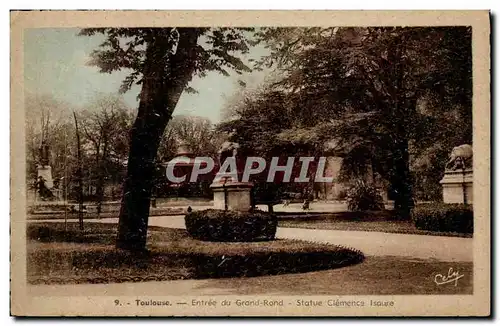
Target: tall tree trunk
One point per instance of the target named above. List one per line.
(79, 174)
(404, 110)
(159, 96)
(134, 213)
(100, 178)
(401, 181)
(100, 196)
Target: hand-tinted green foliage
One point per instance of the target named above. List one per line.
(219, 225)
(163, 61)
(444, 217)
(263, 126)
(382, 93)
(104, 125)
(126, 48)
(364, 197)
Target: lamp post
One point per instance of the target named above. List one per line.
(464, 187)
(225, 193)
(65, 179)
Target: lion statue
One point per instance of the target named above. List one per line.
(460, 157)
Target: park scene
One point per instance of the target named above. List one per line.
(249, 161)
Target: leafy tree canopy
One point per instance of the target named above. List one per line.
(383, 95)
(210, 49)
(162, 61)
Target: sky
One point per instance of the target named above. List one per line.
(55, 63)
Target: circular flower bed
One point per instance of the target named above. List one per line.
(59, 254)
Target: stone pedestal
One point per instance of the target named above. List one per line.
(457, 186)
(233, 196)
(45, 171)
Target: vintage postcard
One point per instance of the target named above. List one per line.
(250, 163)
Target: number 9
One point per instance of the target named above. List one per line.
(117, 302)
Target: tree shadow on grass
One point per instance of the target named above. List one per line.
(58, 255)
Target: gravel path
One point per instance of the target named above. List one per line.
(370, 243)
(377, 244)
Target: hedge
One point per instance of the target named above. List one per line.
(220, 225)
(444, 217)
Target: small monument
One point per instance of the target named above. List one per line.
(457, 180)
(45, 183)
(230, 194)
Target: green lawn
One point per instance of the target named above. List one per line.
(375, 276)
(56, 255)
(390, 226)
(59, 214)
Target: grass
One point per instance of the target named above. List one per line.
(375, 276)
(68, 256)
(323, 221)
(376, 223)
(59, 215)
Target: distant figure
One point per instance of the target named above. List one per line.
(305, 205)
(286, 202)
(76, 208)
(189, 210)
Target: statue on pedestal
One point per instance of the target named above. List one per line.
(230, 194)
(44, 173)
(228, 149)
(44, 154)
(457, 181)
(460, 158)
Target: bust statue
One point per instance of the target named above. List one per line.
(460, 158)
(228, 149)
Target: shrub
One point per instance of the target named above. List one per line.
(342, 194)
(275, 263)
(444, 217)
(219, 225)
(364, 197)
